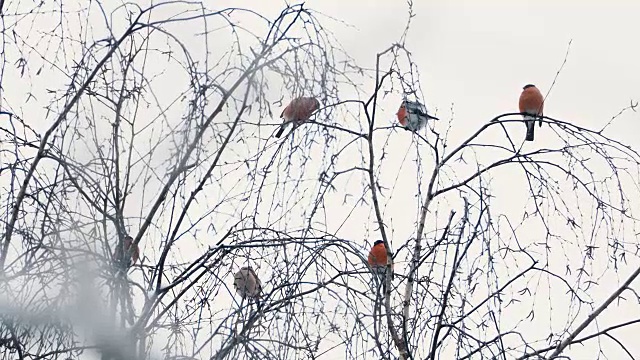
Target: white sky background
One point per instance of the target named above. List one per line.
(474, 57)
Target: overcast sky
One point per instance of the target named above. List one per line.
(475, 56)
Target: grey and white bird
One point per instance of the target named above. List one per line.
(413, 115)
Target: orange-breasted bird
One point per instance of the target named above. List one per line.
(298, 110)
(378, 258)
(413, 115)
(532, 104)
(131, 252)
(247, 283)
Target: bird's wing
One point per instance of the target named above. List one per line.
(419, 111)
(304, 109)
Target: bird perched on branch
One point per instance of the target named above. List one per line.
(131, 251)
(247, 283)
(532, 105)
(298, 110)
(378, 259)
(413, 115)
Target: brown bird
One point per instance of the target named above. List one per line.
(378, 258)
(247, 283)
(532, 104)
(131, 252)
(413, 115)
(298, 110)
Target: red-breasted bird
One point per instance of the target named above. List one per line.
(298, 110)
(130, 251)
(247, 283)
(378, 258)
(413, 115)
(531, 103)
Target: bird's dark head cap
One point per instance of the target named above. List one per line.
(528, 86)
(378, 242)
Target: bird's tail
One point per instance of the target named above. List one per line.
(280, 131)
(381, 272)
(530, 122)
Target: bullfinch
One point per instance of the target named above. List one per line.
(298, 110)
(531, 105)
(131, 252)
(247, 283)
(413, 115)
(378, 258)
